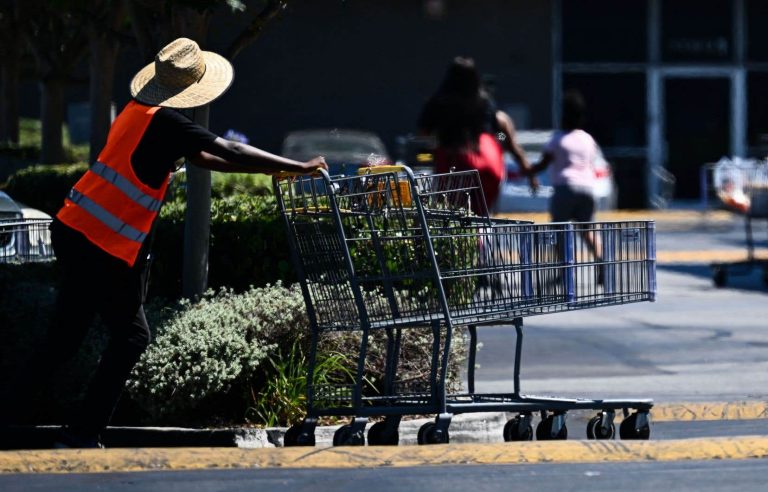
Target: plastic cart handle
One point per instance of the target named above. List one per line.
(295, 174)
(380, 169)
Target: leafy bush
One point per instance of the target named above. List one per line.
(248, 245)
(282, 399)
(224, 185)
(207, 349)
(243, 357)
(29, 145)
(44, 187)
(227, 184)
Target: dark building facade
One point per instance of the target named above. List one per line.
(670, 84)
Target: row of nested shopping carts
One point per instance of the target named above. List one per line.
(740, 185)
(406, 254)
(25, 240)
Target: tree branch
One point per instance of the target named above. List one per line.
(255, 29)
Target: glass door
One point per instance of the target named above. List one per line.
(697, 128)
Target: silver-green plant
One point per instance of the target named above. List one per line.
(205, 349)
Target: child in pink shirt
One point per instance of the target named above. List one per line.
(570, 157)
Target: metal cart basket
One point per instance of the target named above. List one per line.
(389, 250)
(25, 240)
(739, 185)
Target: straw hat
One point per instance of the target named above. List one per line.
(182, 76)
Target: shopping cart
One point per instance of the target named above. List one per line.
(740, 185)
(25, 240)
(388, 250)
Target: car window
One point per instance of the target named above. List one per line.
(333, 146)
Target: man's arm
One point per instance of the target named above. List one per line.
(507, 127)
(234, 157)
(546, 160)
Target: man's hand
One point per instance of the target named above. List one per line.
(315, 164)
(533, 182)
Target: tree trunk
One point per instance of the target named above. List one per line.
(197, 227)
(9, 97)
(197, 224)
(102, 73)
(52, 116)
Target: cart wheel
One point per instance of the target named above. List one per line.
(294, 437)
(595, 429)
(628, 429)
(379, 435)
(428, 434)
(719, 276)
(544, 430)
(345, 437)
(513, 432)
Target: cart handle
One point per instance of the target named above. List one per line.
(395, 168)
(294, 174)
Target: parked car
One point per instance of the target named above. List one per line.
(516, 195)
(344, 150)
(24, 234)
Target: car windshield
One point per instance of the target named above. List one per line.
(8, 208)
(333, 146)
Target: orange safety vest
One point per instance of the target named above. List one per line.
(109, 204)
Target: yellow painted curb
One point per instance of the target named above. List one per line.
(660, 216)
(124, 460)
(681, 412)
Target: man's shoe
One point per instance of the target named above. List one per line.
(71, 439)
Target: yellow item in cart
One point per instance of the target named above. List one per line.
(396, 192)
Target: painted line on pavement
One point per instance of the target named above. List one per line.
(660, 216)
(126, 460)
(685, 412)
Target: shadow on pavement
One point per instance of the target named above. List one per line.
(738, 277)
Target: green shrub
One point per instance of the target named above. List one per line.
(248, 245)
(243, 357)
(29, 145)
(44, 187)
(282, 398)
(414, 364)
(224, 185)
(212, 349)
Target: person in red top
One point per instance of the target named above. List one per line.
(100, 235)
(471, 132)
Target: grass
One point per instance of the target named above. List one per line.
(30, 142)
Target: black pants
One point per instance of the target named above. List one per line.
(94, 282)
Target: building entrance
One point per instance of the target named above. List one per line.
(697, 128)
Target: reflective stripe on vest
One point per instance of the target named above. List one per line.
(105, 217)
(126, 187)
(109, 204)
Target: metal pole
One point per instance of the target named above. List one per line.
(197, 223)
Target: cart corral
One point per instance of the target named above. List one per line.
(739, 185)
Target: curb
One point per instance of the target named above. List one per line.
(681, 216)
(127, 460)
(465, 429)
